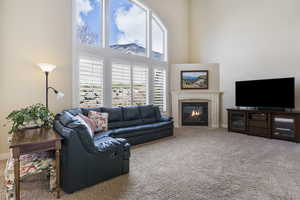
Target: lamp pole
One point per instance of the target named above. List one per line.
(47, 74)
(47, 68)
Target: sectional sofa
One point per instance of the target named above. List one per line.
(86, 161)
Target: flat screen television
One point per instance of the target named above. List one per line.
(271, 93)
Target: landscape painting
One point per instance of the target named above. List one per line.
(194, 80)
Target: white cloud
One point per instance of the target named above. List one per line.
(83, 7)
(132, 24)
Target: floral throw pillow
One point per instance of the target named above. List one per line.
(101, 120)
(91, 133)
(90, 122)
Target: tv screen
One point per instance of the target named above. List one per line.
(275, 93)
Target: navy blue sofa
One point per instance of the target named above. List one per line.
(86, 161)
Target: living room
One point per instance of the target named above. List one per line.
(136, 62)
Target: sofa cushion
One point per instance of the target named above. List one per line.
(123, 124)
(100, 135)
(131, 113)
(147, 111)
(86, 111)
(148, 114)
(74, 111)
(131, 130)
(150, 120)
(144, 134)
(114, 114)
(66, 118)
(132, 123)
(114, 125)
(109, 144)
(157, 113)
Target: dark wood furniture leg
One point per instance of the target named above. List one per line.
(57, 158)
(17, 176)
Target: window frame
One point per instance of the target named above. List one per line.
(108, 55)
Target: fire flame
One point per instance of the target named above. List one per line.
(195, 113)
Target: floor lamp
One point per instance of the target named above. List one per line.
(47, 68)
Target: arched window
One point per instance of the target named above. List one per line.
(120, 54)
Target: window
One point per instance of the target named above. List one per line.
(129, 84)
(140, 84)
(159, 89)
(118, 45)
(127, 31)
(91, 82)
(89, 22)
(157, 41)
(121, 84)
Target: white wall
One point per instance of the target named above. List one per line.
(254, 39)
(35, 31)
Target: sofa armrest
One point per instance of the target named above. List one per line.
(166, 118)
(76, 135)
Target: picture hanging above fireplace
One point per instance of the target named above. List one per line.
(194, 79)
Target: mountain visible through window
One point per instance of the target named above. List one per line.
(127, 27)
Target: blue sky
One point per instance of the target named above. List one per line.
(91, 16)
(127, 24)
(114, 6)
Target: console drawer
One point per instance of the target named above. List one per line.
(258, 124)
(262, 132)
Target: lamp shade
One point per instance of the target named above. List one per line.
(47, 67)
(60, 95)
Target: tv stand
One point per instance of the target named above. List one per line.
(265, 123)
(271, 109)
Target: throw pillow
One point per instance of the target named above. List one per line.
(91, 133)
(90, 122)
(101, 120)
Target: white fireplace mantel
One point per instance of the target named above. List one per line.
(212, 97)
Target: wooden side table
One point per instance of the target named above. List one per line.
(35, 141)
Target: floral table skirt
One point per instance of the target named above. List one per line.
(30, 164)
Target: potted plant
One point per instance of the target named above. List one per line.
(34, 116)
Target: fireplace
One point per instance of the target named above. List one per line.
(194, 113)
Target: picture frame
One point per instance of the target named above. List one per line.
(195, 80)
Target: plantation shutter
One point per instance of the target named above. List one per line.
(121, 84)
(159, 89)
(91, 82)
(139, 85)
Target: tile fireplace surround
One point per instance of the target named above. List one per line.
(212, 97)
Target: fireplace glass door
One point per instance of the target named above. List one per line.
(194, 113)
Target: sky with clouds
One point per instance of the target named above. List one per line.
(127, 24)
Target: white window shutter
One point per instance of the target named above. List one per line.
(159, 89)
(91, 82)
(121, 84)
(140, 85)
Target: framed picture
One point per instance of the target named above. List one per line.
(194, 79)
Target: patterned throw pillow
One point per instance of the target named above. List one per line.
(101, 120)
(91, 133)
(90, 122)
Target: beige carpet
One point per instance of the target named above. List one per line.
(196, 164)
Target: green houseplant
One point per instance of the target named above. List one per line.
(33, 116)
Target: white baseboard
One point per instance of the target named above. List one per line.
(4, 156)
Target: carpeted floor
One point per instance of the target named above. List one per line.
(196, 164)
